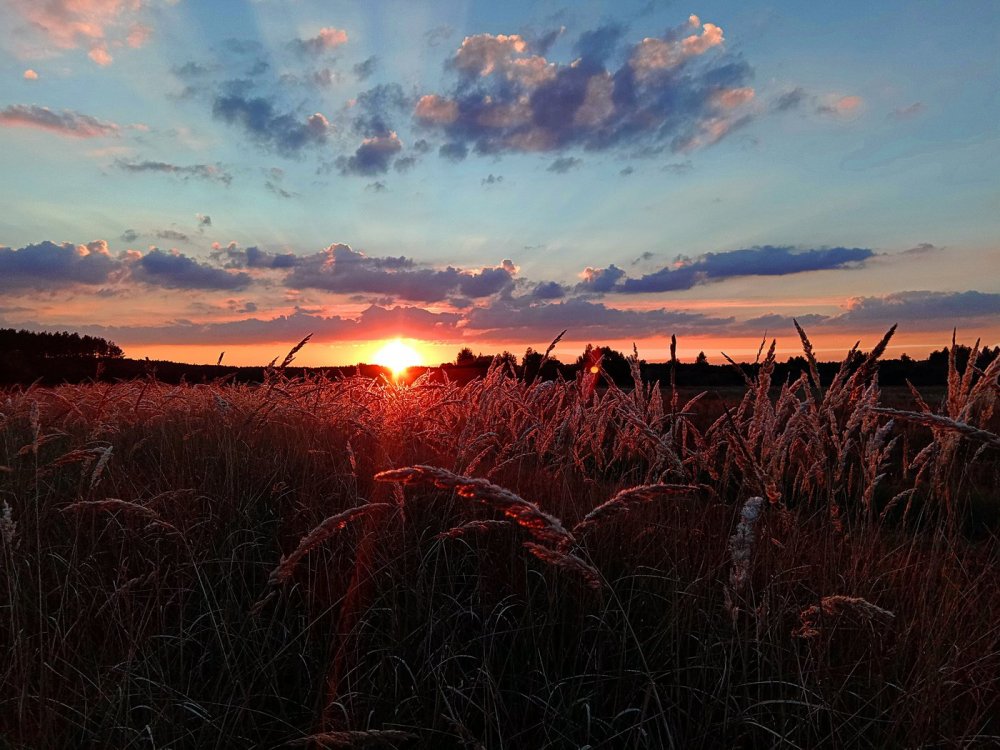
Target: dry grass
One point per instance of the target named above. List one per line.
(500, 564)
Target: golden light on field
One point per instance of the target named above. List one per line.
(397, 356)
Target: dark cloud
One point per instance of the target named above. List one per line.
(677, 91)
(179, 271)
(279, 191)
(375, 109)
(601, 280)
(908, 113)
(790, 100)
(210, 172)
(421, 146)
(343, 270)
(253, 257)
(597, 45)
(46, 265)
(922, 248)
(564, 164)
(204, 220)
(130, 235)
(920, 306)
(548, 290)
(626, 171)
(492, 179)
(404, 164)
(584, 319)
(67, 122)
(172, 234)
(366, 68)
(766, 260)
(191, 69)
(542, 43)
(284, 132)
(372, 157)
(643, 257)
(377, 187)
(679, 168)
(454, 152)
(438, 35)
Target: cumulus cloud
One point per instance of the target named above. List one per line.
(204, 220)
(677, 90)
(210, 172)
(328, 38)
(341, 269)
(48, 265)
(372, 157)
(234, 256)
(284, 132)
(67, 122)
(30, 75)
(129, 235)
(179, 271)
(545, 290)
(685, 273)
(453, 152)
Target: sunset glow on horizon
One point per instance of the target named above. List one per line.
(186, 178)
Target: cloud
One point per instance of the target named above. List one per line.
(327, 39)
(908, 113)
(840, 106)
(515, 320)
(626, 171)
(438, 35)
(790, 100)
(564, 164)
(454, 152)
(129, 235)
(204, 220)
(46, 265)
(92, 24)
(601, 280)
(678, 91)
(253, 257)
(546, 290)
(67, 122)
(366, 68)
(372, 157)
(210, 172)
(30, 75)
(376, 187)
(171, 234)
(492, 179)
(179, 271)
(685, 273)
(343, 270)
(922, 248)
(920, 306)
(374, 110)
(404, 164)
(286, 133)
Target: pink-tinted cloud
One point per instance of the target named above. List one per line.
(66, 123)
(30, 75)
(327, 39)
(94, 24)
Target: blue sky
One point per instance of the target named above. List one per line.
(185, 177)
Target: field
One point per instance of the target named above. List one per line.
(501, 564)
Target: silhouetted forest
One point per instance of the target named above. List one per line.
(52, 358)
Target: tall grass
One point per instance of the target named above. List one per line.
(500, 564)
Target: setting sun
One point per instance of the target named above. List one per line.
(397, 356)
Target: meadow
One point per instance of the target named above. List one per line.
(501, 564)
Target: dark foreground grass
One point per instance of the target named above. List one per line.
(153, 595)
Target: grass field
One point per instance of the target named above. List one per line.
(501, 564)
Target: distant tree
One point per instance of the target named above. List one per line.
(701, 360)
(465, 356)
(46, 345)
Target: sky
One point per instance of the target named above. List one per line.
(189, 177)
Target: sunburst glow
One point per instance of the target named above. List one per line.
(397, 356)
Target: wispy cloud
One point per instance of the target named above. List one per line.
(65, 122)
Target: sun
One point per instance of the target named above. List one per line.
(397, 356)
